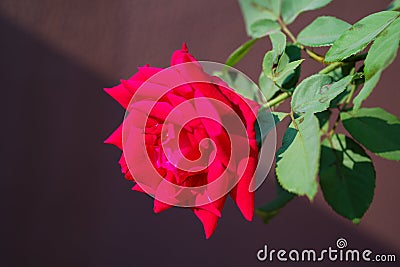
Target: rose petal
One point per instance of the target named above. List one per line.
(124, 168)
(115, 138)
(137, 188)
(158, 110)
(208, 219)
(182, 56)
(121, 94)
(209, 214)
(145, 73)
(160, 206)
(240, 193)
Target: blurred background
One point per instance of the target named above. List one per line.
(63, 199)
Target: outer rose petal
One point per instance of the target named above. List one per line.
(240, 193)
(212, 207)
(208, 218)
(182, 56)
(124, 168)
(160, 206)
(144, 73)
(137, 188)
(121, 94)
(246, 106)
(115, 138)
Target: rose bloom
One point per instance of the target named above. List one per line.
(190, 138)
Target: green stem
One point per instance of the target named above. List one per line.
(279, 99)
(331, 67)
(350, 96)
(294, 120)
(314, 55)
(286, 30)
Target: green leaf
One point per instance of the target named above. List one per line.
(273, 5)
(323, 31)
(383, 51)
(323, 120)
(292, 8)
(315, 93)
(340, 98)
(269, 210)
(268, 64)
(366, 90)
(266, 121)
(347, 69)
(376, 129)
(263, 28)
(255, 10)
(240, 52)
(270, 81)
(360, 35)
(395, 5)
(278, 40)
(267, 86)
(298, 158)
(294, 53)
(285, 73)
(240, 84)
(279, 116)
(283, 61)
(347, 177)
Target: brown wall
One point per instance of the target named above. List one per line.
(63, 199)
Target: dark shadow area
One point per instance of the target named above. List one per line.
(64, 201)
(363, 129)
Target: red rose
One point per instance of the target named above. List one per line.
(198, 146)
